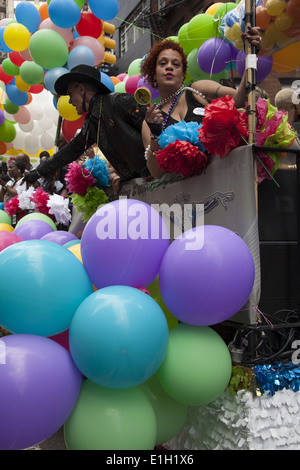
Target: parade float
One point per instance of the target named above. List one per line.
(118, 331)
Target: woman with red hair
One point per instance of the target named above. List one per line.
(165, 68)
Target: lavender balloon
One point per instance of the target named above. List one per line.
(206, 275)
(39, 388)
(61, 237)
(123, 243)
(33, 230)
(264, 65)
(214, 55)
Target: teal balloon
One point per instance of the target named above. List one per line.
(106, 419)
(41, 286)
(197, 367)
(170, 414)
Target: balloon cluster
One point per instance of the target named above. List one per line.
(42, 43)
(106, 307)
(279, 21)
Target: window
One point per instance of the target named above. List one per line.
(132, 30)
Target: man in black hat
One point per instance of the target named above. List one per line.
(113, 122)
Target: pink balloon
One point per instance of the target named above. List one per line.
(93, 44)
(22, 116)
(122, 76)
(26, 54)
(64, 32)
(131, 84)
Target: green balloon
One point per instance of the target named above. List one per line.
(4, 218)
(37, 216)
(173, 38)
(10, 107)
(223, 9)
(31, 73)
(120, 87)
(48, 49)
(134, 68)
(183, 39)
(9, 67)
(200, 28)
(7, 131)
(154, 291)
(197, 367)
(80, 3)
(110, 419)
(170, 415)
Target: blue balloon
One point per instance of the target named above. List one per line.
(15, 95)
(118, 337)
(3, 46)
(107, 81)
(28, 15)
(52, 75)
(64, 14)
(41, 286)
(71, 243)
(105, 10)
(81, 55)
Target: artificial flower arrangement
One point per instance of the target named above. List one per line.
(86, 182)
(184, 147)
(37, 200)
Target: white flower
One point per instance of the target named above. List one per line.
(59, 207)
(24, 199)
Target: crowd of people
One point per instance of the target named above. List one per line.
(124, 131)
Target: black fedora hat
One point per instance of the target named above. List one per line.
(82, 74)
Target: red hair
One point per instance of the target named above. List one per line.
(148, 66)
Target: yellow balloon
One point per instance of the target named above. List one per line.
(213, 8)
(21, 85)
(275, 7)
(267, 42)
(67, 110)
(6, 227)
(16, 36)
(236, 32)
(76, 250)
(283, 21)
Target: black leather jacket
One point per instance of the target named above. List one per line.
(119, 137)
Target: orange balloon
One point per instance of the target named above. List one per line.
(3, 148)
(115, 80)
(29, 98)
(262, 17)
(287, 59)
(43, 11)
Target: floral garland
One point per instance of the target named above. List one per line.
(37, 200)
(180, 150)
(86, 183)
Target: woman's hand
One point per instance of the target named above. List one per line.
(154, 119)
(252, 36)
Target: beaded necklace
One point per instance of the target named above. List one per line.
(175, 95)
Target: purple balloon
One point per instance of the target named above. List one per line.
(154, 91)
(264, 65)
(33, 229)
(40, 385)
(59, 236)
(123, 244)
(2, 117)
(214, 55)
(206, 276)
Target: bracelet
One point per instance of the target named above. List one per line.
(292, 167)
(148, 150)
(154, 137)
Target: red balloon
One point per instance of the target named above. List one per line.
(69, 128)
(8, 238)
(89, 25)
(4, 77)
(36, 89)
(62, 339)
(16, 58)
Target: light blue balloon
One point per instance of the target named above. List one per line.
(3, 46)
(15, 95)
(64, 14)
(41, 286)
(118, 337)
(71, 243)
(107, 81)
(28, 15)
(52, 75)
(81, 55)
(105, 10)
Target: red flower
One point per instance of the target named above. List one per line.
(40, 199)
(223, 127)
(181, 157)
(78, 179)
(265, 166)
(12, 206)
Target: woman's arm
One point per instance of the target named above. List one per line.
(151, 144)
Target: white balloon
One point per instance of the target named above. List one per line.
(31, 144)
(19, 140)
(45, 122)
(36, 112)
(27, 127)
(46, 141)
